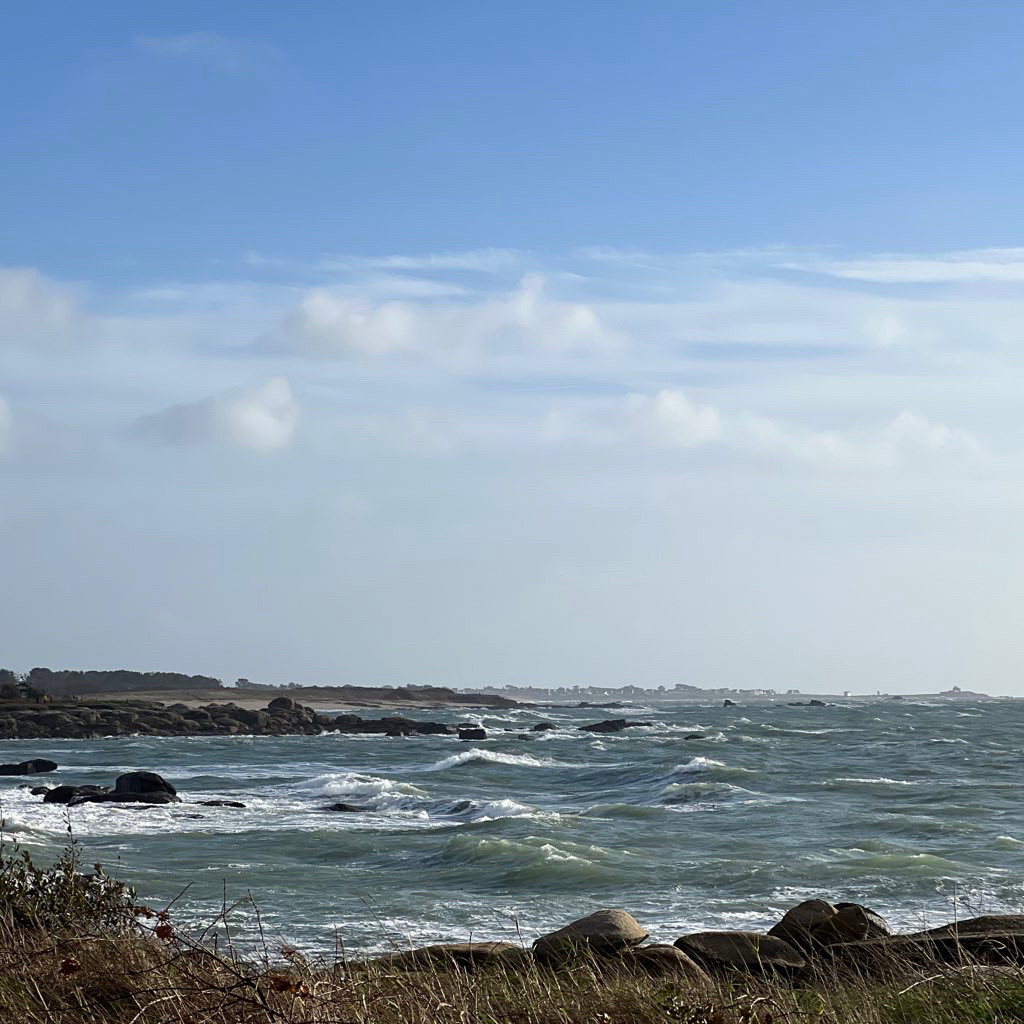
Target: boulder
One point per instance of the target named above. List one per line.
(750, 952)
(663, 961)
(798, 922)
(220, 803)
(603, 932)
(65, 794)
(472, 733)
(346, 808)
(281, 704)
(543, 727)
(990, 924)
(140, 783)
(850, 923)
(728, 703)
(36, 766)
(612, 725)
(39, 790)
(124, 798)
(466, 955)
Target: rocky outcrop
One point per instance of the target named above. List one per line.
(282, 717)
(65, 794)
(749, 952)
(612, 725)
(132, 788)
(603, 932)
(34, 767)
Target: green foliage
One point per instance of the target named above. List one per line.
(61, 896)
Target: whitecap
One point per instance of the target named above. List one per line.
(494, 757)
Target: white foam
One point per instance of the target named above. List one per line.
(494, 757)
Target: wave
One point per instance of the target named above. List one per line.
(373, 791)
(493, 757)
(877, 782)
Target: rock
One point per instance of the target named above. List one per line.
(991, 924)
(36, 766)
(124, 798)
(65, 794)
(728, 703)
(850, 923)
(612, 725)
(220, 803)
(467, 955)
(347, 808)
(472, 733)
(140, 783)
(543, 727)
(39, 790)
(662, 961)
(694, 736)
(750, 952)
(603, 932)
(281, 704)
(795, 927)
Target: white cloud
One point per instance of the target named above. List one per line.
(225, 53)
(35, 311)
(261, 419)
(333, 322)
(482, 260)
(996, 265)
(670, 419)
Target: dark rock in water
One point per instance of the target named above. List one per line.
(65, 794)
(143, 782)
(850, 923)
(749, 952)
(612, 725)
(603, 932)
(606, 704)
(543, 727)
(124, 798)
(798, 922)
(694, 736)
(472, 733)
(220, 803)
(36, 766)
(728, 703)
(39, 790)
(815, 703)
(467, 955)
(347, 808)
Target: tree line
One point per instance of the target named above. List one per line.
(76, 682)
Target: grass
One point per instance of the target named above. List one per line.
(77, 947)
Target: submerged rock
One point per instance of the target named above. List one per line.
(36, 766)
(472, 733)
(612, 725)
(65, 794)
(346, 808)
(220, 803)
(543, 727)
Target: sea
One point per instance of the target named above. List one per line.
(708, 817)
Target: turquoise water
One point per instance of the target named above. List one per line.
(908, 807)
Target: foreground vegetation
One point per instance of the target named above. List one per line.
(77, 947)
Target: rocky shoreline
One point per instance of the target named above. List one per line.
(813, 939)
(281, 717)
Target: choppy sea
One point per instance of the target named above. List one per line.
(916, 809)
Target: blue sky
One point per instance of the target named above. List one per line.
(544, 343)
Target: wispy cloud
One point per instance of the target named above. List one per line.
(230, 54)
(261, 419)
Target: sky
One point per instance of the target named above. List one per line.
(554, 344)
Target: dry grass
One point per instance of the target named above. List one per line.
(97, 957)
